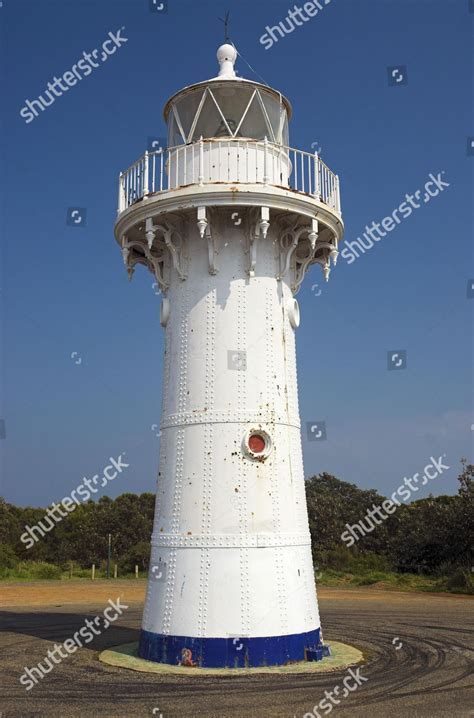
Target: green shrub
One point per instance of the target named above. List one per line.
(461, 579)
(350, 560)
(38, 570)
(139, 555)
(8, 558)
(367, 579)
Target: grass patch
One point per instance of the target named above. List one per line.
(28, 570)
(41, 570)
(460, 582)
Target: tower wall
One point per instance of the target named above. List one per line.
(231, 576)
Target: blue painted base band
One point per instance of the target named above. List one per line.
(231, 652)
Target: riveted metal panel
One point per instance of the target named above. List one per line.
(232, 531)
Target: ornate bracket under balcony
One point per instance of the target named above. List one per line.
(157, 247)
(303, 245)
(259, 225)
(171, 233)
(132, 253)
(136, 252)
(289, 240)
(204, 227)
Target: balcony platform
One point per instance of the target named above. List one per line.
(291, 191)
(231, 194)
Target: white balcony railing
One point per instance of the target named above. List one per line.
(228, 161)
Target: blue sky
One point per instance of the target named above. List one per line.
(64, 288)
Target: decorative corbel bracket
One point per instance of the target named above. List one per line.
(130, 258)
(264, 223)
(258, 229)
(204, 228)
(313, 234)
(286, 253)
(150, 232)
(166, 232)
(302, 263)
(325, 260)
(325, 266)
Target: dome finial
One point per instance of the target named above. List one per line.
(227, 55)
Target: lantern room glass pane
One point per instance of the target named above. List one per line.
(187, 107)
(255, 126)
(276, 112)
(210, 120)
(229, 110)
(232, 101)
(174, 133)
(285, 137)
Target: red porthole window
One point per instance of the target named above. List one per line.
(257, 444)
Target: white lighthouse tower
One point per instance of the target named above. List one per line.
(228, 219)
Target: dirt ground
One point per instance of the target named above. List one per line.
(74, 591)
(418, 647)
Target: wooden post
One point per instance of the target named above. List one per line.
(93, 571)
(109, 551)
(115, 570)
(136, 571)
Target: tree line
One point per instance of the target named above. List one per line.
(432, 536)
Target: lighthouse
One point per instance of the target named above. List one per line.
(228, 219)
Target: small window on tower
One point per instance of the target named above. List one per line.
(257, 444)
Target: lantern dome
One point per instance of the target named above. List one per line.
(227, 106)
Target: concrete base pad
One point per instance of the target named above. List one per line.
(125, 656)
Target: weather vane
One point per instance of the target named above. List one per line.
(226, 26)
